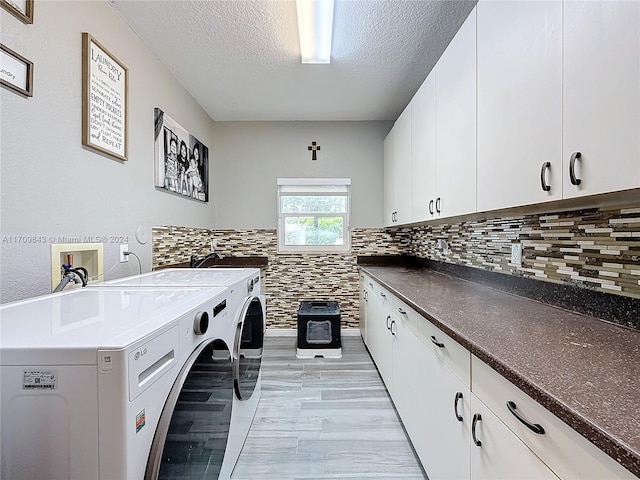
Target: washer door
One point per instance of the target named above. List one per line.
(192, 431)
(248, 348)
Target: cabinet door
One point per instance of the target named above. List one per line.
(601, 96)
(456, 123)
(519, 102)
(423, 151)
(501, 455)
(406, 352)
(364, 298)
(389, 178)
(560, 447)
(442, 441)
(379, 335)
(402, 168)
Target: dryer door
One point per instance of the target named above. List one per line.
(248, 347)
(192, 431)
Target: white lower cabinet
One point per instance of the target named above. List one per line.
(379, 340)
(443, 419)
(497, 453)
(560, 447)
(366, 291)
(455, 408)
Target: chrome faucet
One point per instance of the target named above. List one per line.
(195, 262)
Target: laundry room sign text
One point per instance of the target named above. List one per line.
(104, 100)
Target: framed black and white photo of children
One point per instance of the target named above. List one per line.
(22, 9)
(181, 160)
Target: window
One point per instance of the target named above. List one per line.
(313, 214)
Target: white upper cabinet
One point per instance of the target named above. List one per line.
(423, 151)
(456, 124)
(519, 103)
(389, 160)
(402, 167)
(601, 96)
(397, 171)
(532, 101)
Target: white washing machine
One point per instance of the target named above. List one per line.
(244, 332)
(88, 376)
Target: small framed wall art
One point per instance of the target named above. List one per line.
(105, 100)
(181, 160)
(23, 9)
(16, 72)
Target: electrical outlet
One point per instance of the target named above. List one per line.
(123, 257)
(516, 254)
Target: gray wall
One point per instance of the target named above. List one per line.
(50, 183)
(248, 157)
(52, 186)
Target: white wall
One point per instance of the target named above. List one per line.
(50, 184)
(248, 157)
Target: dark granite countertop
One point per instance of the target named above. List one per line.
(584, 370)
(253, 261)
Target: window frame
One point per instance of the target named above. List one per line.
(306, 188)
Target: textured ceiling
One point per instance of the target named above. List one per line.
(240, 59)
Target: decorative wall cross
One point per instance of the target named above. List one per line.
(313, 148)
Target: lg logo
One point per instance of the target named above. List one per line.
(140, 353)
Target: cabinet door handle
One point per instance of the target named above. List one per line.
(365, 295)
(455, 406)
(435, 341)
(388, 325)
(393, 332)
(476, 418)
(431, 207)
(543, 181)
(534, 427)
(572, 168)
(438, 204)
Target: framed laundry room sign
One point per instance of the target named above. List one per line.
(23, 9)
(16, 72)
(105, 100)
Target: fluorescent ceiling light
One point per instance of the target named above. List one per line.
(315, 24)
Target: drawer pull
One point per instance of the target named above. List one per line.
(388, 324)
(545, 166)
(476, 418)
(534, 427)
(383, 295)
(455, 406)
(402, 311)
(436, 342)
(572, 168)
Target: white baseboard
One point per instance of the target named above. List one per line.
(293, 332)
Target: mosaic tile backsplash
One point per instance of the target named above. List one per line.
(597, 249)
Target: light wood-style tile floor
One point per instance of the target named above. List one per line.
(324, 419)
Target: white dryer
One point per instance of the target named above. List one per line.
(243, 283)
(244, 332)
(85, 376)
